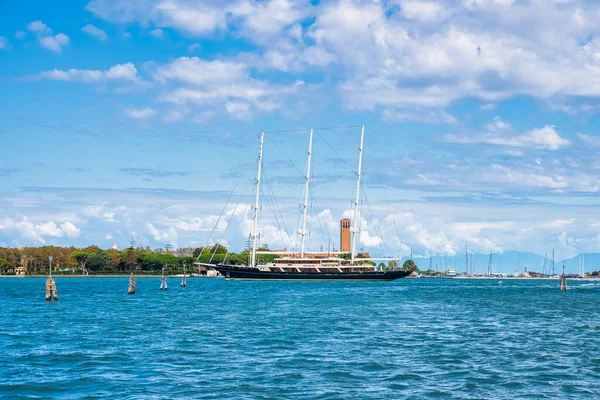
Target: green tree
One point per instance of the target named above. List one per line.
(197, 252)
(99, 261)
(4, 266)
(81, 258)
(130, 260)
(409, 265)
(218, 249)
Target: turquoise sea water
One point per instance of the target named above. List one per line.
(418, 338)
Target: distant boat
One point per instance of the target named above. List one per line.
(450, 273)
(300, 265)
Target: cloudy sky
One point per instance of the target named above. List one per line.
(123, 118)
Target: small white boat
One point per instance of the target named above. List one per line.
(450, 273)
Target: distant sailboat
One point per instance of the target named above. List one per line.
(183, 282)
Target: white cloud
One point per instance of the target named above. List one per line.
(416, 234)
(197, 19)
(109, 217)
(389, 55)
(418, 115)
(480, 52)
(219, 83)
(498, 133)
(197, 71)
(3, 42)
(201, 224)
(593, 141)
(256, 20)
(260, 19)
(94, 31)
(157, 33)
(55, 43)
(318, 56)
(94, 211)
(70, 230)
(370, 241)
(123, 72)
(45, 37)
(142, 113)
(41, 231)
(421, 10)
(238, 110)
(39, 27)
(169, 235)
(20, 35)
(108, 236)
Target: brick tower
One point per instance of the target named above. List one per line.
(345, 235)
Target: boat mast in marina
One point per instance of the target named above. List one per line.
(466, 260)
(355, 221)
(306, 188)
(256, 202)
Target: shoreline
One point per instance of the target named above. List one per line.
(105, 276)
(590, 279)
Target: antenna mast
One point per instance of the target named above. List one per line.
(306, 188)
(355, 221)
(256, 202)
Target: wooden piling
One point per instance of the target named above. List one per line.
(131, 289)
(563, 283)
(51, 292)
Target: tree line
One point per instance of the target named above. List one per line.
(94, 260)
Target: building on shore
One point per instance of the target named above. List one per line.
(345, 235)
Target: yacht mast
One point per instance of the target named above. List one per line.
(256, 202)
(466, 260)
(306, 187)
(355, 220)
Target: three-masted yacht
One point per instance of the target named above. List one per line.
(305, 265)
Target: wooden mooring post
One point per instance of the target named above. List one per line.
(163, 281)
(131, 289)
(563, 280)
(51, 292)
(183, 282)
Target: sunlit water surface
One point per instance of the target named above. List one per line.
(413, 338)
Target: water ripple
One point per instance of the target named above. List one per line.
(246, 340)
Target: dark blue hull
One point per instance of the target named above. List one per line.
(235, 272)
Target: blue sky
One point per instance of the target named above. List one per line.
(136, 118)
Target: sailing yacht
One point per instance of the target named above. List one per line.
(304, 265)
